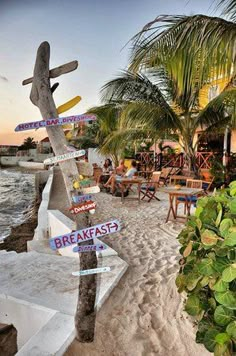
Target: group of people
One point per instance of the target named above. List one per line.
(112, 177)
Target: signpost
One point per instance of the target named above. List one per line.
(91, 271)
(41, 96)
(86, 234)
(64, 157)
(55, 122)
(86, 248)
(83, 207)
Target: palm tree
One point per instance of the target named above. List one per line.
(155, 106)
(179, 55)
(28, 144)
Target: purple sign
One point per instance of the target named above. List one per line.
(55, 122)
(81, 198)
(86, 234)
(97, 247)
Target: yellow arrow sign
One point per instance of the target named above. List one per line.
(68, 105)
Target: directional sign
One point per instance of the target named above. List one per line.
(81, 208)
(68, 105)
(85, 182)
(91, 190)
(81, 198)
(64, 157)
(84, 234)
(91, 271)
(96, 247)
(55, 122)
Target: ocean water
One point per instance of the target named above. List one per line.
(17, 194)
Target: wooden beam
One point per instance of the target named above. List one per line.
(56, 72)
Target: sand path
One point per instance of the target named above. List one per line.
(144, 314)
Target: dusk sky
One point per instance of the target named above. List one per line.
(90, 31)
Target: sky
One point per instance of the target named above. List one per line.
(94, 32)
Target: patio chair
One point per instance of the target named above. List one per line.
(190, 183)
(149, 189)
(167, 172)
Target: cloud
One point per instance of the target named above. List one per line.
(3, 78)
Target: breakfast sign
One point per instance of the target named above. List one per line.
(55, 122)
(86, 234)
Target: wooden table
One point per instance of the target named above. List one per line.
(126, 182)
(174, 194)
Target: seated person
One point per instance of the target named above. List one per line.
(116, 179)
(106, 171)
(121, 169)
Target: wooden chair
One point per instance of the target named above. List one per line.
(149, 189)
(167, 172)
(206, 185)
(190, 183)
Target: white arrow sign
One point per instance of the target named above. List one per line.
(55, 122)
(91, 271)
(64, 157)
(91, 190)
(96, 247)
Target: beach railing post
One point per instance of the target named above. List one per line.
(41, 96)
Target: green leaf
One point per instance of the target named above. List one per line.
(222, 338)
(230, 240)
(223, 315)
(227, 298)
(180, 282)
(222, 350)
(232, 206)
(192, 281)
(231, 329)
(220, 264)
(192, 305)
(225, 225)
(209, 339)
(221, 286)
(198, 211)
(204, 281)
(188, 249)
(229, 274)
(232, 184)
(209, 238)
(222, 251)
(205, 267)
(219, 217)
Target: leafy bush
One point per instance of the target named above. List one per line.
(208, 270)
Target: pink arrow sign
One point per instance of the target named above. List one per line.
(85, 234)
(55, 122)
(96, 247)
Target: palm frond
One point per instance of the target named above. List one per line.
(219, 109)
(201, 47)
(229, 9)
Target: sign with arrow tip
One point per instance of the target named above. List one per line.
(55, 122)
(96, 247)
(85, 234)
(64, 157)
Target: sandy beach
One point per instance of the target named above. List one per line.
(144, 314)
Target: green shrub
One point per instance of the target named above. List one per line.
(208, 270)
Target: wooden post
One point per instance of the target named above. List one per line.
(41, 96)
